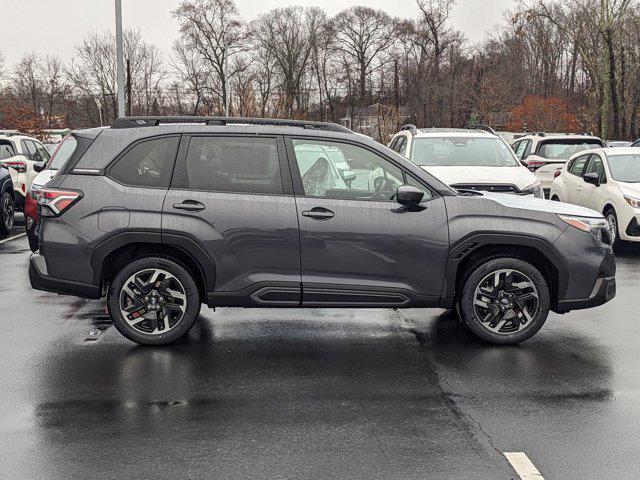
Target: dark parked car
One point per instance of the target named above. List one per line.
(7, 199)
(164, 214)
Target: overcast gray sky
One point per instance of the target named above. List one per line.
(54, 27)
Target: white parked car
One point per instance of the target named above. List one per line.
(25, 156)
(467, 159)
(545, 154)
(606, 180)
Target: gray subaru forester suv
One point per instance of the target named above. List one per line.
(162, 214)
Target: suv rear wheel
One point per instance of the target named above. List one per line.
(153, 301)
(7, 209)
(505, 301)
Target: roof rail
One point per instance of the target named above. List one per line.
(538, 134)
(484, 128)
(411, 127)
(136, 122)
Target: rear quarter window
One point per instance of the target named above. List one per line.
(148, 163)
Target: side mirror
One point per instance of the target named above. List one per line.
(592, 178)
(409, 195)
(38, 167)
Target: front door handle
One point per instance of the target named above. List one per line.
(189, 206)
(319, 213)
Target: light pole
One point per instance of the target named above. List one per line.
(225, 62)
(225, 68)
(119, 58)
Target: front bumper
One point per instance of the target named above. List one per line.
(41, 281)
(603, 291)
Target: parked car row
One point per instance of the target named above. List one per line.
(606, 180)
(164, 214)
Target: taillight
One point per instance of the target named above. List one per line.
(557, 173)
(533, 165)
(18, 165)
(54, 202)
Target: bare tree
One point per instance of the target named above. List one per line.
(362, 33)
(93, 73)
(286, 36)
(213, 29)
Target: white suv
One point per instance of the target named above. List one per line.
(466, 159)
(25, 156)
(606, 180)
(545, 154)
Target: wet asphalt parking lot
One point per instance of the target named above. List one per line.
(314, 393)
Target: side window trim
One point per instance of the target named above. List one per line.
(179, 179)
(298, 188)
(107, 170)
(584, 165)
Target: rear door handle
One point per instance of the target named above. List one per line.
(319, 213)
(189, 206)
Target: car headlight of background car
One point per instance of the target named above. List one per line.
(596, 226)
(535, 190)
(634, 202)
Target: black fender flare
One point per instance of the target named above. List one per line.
(469, 244)
(183, 242)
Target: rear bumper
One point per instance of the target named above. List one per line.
(603, 291)
(41, 281)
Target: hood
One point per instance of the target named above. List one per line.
(540, 205)
(451, 175)
(630, 189)
(43, 177)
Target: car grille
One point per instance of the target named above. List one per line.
(499, 188)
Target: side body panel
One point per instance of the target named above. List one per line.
(252, 239)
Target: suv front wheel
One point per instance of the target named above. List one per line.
(505, 301)
(153, 301)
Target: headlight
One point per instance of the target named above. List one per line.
(596, 226)
(634, 202)
(535, 190)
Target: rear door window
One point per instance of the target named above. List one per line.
(234, 164)
(147, 164)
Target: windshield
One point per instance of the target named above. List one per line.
(563, 149)
(63, 153)
(462, 151)
(625, 168)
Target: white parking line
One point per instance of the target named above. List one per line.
(12, 238)
(523, 466)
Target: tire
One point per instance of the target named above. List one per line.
(7, 212)
(516, 307)
(175, 302)
(612, 218)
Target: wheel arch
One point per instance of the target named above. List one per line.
(608, 205)
(110, 256)
(476, 249)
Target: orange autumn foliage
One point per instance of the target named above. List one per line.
(543, 114)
